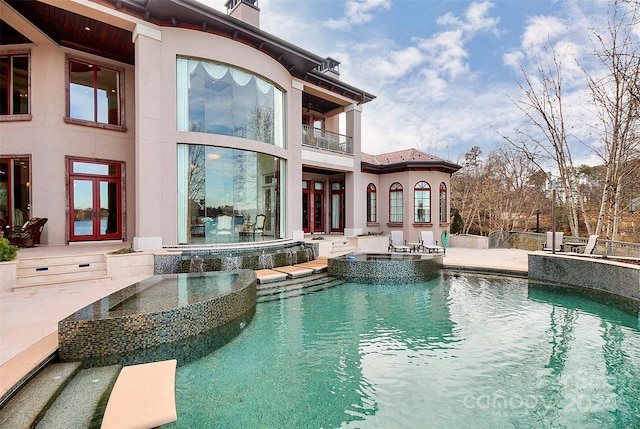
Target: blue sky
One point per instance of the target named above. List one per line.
(445, 72)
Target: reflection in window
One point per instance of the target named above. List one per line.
(395, 202)
(422, 202)
(221, 192)
(371, 203)
(94, 93)
(14, 84)
(218, 99)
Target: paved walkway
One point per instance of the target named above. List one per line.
(29, 317)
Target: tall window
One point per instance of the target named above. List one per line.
(443, 203)
(395, 203)
(14, 84)
(94, 94)
(225, 195)
(422, 202)
(219, 99)
(371, 203)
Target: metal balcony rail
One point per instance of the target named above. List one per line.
(326, 140)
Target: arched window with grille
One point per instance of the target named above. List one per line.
(422, 202)
(371, 203)
(395, 203)
(443, 203)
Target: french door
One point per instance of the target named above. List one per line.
(95, 201)
(337, 206)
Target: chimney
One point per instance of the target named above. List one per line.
(244, 10)
(330, 67)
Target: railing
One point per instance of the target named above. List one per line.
(534, 241)
(326, 140)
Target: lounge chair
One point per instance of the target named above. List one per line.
(591, 245)
(397, 243)
(428, 243)
(549, 243)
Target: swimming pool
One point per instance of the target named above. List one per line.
(457, 351)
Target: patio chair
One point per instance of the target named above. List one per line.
(28, 234)
(549, 243)
(428, 242)
(224, 227)
(591, 245)
(397, 243)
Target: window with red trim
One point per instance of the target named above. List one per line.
(94, 93)
(395, 203)
(371, 203)
(422, 202)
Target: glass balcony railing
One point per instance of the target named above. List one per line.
(326, 140)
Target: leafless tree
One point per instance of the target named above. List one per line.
(548, 141)
(616, 96)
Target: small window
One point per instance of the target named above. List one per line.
(443, 203)
(94, 95)
(422, 202)
(371, 203)
(14, 84)
(395, 203)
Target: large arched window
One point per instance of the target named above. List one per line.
(422, 202)
(371, 203)
(219, 99)
(395, 203)
(443, 203)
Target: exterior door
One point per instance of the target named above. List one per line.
(95, 197)
(318, 206)
(306, 205)
(15, 191)
(337, 206)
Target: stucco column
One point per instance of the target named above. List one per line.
(148, 174)
(294, 163)
(355, 191)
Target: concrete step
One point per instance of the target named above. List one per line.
(296, 287)
(82, 402)
(44, 271)
(27, 406)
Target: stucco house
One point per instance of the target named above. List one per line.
(169, 123)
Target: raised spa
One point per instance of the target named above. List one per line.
(376, 268)
(174, 316)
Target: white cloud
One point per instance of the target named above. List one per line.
(357, 12)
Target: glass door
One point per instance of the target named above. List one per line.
(306, 206)
(337, 206)
(318, 206)
(95, 201)
(15, 191)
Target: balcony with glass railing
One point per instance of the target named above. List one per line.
(326, 140)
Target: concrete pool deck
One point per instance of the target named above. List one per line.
(29, 316)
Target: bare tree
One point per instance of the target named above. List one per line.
(543, 105)
(616, 96)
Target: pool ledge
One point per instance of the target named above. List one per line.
(602, 275)
(160, 318)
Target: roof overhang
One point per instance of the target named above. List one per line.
(441, 166)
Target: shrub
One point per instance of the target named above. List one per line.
(8, 251)
(457, 226)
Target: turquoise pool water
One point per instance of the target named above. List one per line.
(460, 351)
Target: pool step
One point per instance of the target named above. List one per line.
(56, 270)
(296, 287)
(27, 406)
(82, 402)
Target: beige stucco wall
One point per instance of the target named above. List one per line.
(407, 179)
(47, 139)
(158, 136)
